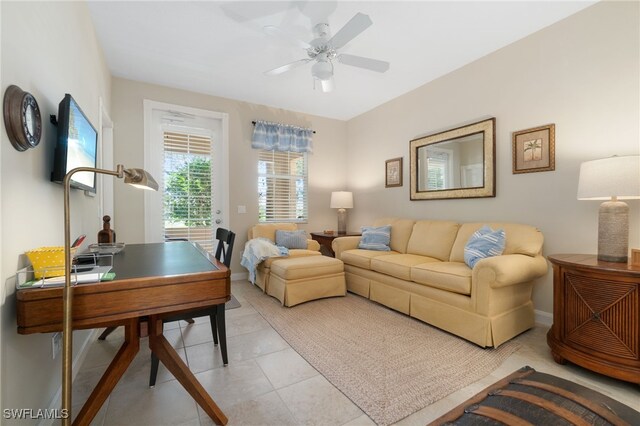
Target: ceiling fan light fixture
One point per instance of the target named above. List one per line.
(322, 70)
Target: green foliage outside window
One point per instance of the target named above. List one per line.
(188, 193)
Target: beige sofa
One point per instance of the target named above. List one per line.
(424, 276)
(268, 230)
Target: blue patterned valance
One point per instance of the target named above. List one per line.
(281, 137)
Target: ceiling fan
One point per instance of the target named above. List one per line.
(323, 49)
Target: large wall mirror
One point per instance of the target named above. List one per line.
(457, 163)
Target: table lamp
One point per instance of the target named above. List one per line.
(135, 177)
(611, 179)
(342, 200)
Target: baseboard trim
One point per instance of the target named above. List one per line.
(240, 276)
(56, 401)
(544, 318)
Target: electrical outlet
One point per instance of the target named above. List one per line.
(56, 344)
(242, 209)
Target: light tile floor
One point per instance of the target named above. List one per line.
(268, 383)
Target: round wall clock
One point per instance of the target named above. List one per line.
(22, 118)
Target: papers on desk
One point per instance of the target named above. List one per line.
(92, 275)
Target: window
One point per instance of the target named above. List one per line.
(282, 186)
(187, 187)
(438, 169)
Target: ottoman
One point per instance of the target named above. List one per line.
(300, 279)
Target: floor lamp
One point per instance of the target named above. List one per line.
(135, 177)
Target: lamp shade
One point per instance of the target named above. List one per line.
(140, 178)
(610, 177)
(341, 200)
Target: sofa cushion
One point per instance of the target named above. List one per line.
(398, 265)
(433, 238)
(362, 258)
(291, 239)
(450, 276)
(483, 243)
(375, 238)
(300, 267)
(268, 230)
(400, 232)
(292, 253)
(521, 239)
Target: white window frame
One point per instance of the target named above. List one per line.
(153, 162)
(305, 219)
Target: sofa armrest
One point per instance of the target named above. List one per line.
(313, 245)
(510, 269)
(340, 244)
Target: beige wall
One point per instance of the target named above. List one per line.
(327, 164)
(581, 74)
(48, 49)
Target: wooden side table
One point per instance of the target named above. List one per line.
(596, 315)
(325, 241)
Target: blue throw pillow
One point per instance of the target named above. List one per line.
(485, 242)
(291, 239)
(375, 238)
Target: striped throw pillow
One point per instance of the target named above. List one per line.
(485, 242)
(375, 238)
(291, 239)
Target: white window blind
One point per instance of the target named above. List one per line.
(282, 186)
(437, 170)
(187, 187)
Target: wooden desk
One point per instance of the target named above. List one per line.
(152, 281)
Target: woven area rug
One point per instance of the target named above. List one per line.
(387, 363)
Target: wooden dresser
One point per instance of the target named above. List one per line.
(596, 315)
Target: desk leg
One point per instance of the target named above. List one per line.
(114, 372)
(165, 353)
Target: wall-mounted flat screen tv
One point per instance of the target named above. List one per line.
(76, 146)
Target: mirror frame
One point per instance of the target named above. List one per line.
(488, 127)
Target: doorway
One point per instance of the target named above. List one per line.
(186, 150)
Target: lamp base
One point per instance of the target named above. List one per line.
(342, 221)
(613, 232)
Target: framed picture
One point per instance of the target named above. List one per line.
(393, 172)
(534, 150)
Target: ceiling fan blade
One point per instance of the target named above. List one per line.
(351, 29)
(327, 85)
(287, 67)
(362, 62)
(278, 32)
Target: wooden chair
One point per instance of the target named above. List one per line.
(216, 314)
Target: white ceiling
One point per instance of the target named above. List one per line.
(220, 48)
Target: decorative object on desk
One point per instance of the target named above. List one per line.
(136, 177)
(22, 118)
(534, 150)
(393, 172)
(106, 248)
(329, 231)
(79, 241)
(635, 257)
(48, 261)
(106, 235)
(611, 179)
(342, 200)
